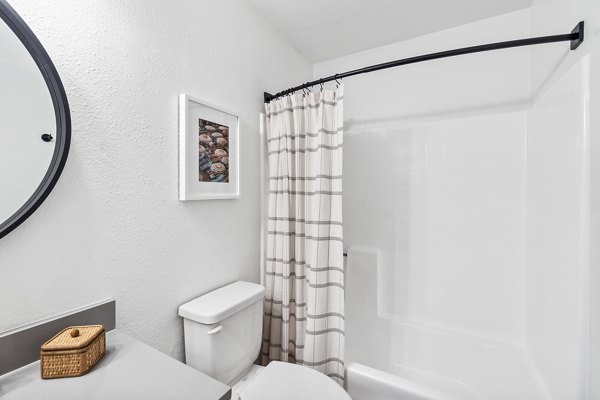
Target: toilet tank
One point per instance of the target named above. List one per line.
(223, 330)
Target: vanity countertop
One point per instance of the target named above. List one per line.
(130, 370)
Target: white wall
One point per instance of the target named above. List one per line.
(113, 226)
(563, 153)
(557, 214)
(445, 203)
(593, 18)
(475, 176)
(435, 177)
(434, 165)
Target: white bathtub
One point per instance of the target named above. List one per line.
(366, 383)
(389, 358)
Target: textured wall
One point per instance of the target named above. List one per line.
(113, 226)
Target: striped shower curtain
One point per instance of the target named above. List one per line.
(304, 271)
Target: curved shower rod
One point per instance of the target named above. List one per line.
(575, 37)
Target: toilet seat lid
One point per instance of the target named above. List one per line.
(280, 380)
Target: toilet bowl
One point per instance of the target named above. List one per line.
(223, 335)
(280, 380)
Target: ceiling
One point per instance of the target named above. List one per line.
(326, 29)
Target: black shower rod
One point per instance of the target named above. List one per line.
(575, 37)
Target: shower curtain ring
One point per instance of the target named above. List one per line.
(335, 77)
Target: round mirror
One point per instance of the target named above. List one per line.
(35, 127)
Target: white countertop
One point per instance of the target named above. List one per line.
(130, 370)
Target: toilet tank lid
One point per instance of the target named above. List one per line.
(221, 303)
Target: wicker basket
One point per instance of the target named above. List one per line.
(72, 352)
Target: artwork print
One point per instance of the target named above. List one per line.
(213, 152)
(209, 138)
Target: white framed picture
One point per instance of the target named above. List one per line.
(208, 151)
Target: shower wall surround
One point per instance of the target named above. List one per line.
(114, 218)
(473, 177)
(563, 204)
(557, 238)
(435, 158)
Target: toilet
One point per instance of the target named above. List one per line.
(223, 335)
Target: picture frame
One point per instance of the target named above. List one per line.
(209, 157)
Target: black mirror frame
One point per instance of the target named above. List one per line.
(61, 111)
